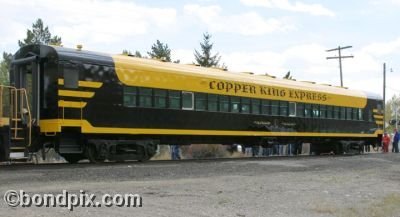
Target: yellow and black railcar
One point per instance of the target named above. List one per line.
(99, 106)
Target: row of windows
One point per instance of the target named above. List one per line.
(158, 98)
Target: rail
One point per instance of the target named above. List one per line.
(19, 104)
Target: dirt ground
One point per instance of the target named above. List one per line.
(363, 185)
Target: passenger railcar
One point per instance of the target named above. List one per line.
(98, 106)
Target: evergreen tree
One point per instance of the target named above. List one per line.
(39, 35)
(4, 67)
(126, 52)
(160, 51)
(205, 58)
(288, 76)
(129, 53)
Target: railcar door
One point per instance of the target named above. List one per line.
(24, 101)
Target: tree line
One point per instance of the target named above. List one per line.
(40, 34)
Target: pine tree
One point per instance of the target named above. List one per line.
(205, 58)
(288, 76)
(129, 53)
(39, 35)
(160, 51)
(4, 67)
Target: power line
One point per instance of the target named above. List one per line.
(340, 57)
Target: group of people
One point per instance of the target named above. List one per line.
(386, 142)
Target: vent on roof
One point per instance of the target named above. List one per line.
(330, 85)
(219, 68)
(342, 87)
(267, 75)
(249, 73)
(290, 79)
(193, 64)
(310, 82)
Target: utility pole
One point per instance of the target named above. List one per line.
(340, 57)
(384, 96)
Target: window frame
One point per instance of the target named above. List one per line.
(191, 100)
(295, 109)
(126, 93)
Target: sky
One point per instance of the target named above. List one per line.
(260, 36)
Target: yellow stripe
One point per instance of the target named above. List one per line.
(54, 125)
(4, 121)
(379, 122)
(92, 84)
(375, 110)
(75, 93)
(378, 116)
(71, 104)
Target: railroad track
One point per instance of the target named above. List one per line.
(84, 164)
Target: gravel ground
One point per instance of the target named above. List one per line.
(364, 185)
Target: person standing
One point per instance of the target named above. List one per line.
(395, 144)
(385, 141)
(175, 153)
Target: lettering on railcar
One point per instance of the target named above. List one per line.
(240, 88)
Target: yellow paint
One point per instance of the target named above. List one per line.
(91, 84)
(4, 121)
(54, 125)
(75, 93)
(71, 104)
(379, 122)
(149, 73)
(378, 116)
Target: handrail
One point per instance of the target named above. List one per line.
(23, 99)
(23, 90)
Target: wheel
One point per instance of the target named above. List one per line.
(72, 158)
(92, 154)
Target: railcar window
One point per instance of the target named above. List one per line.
(160, 98)
(329, 112)
(342, 113)
(130, 96)
(266, 107)
(71, 75)
(315, 111)
(200, 101)
(355, 114)
(360, 114)
(370, 116)
(255, 106)
(292, 109)
(322, 109)
(307, 110)
(283, 108)
(187, 100)
(145, 97)
(336, 112)
(212, 102)
(274, 107)
(224, 103)
(235, 104)
(379, 106)
(245, 103)
(300, 109)
(348, 113)
(174, 99)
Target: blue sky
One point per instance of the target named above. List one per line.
(263, 36)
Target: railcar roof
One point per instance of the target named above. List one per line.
(197, 71)
(167, 67)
